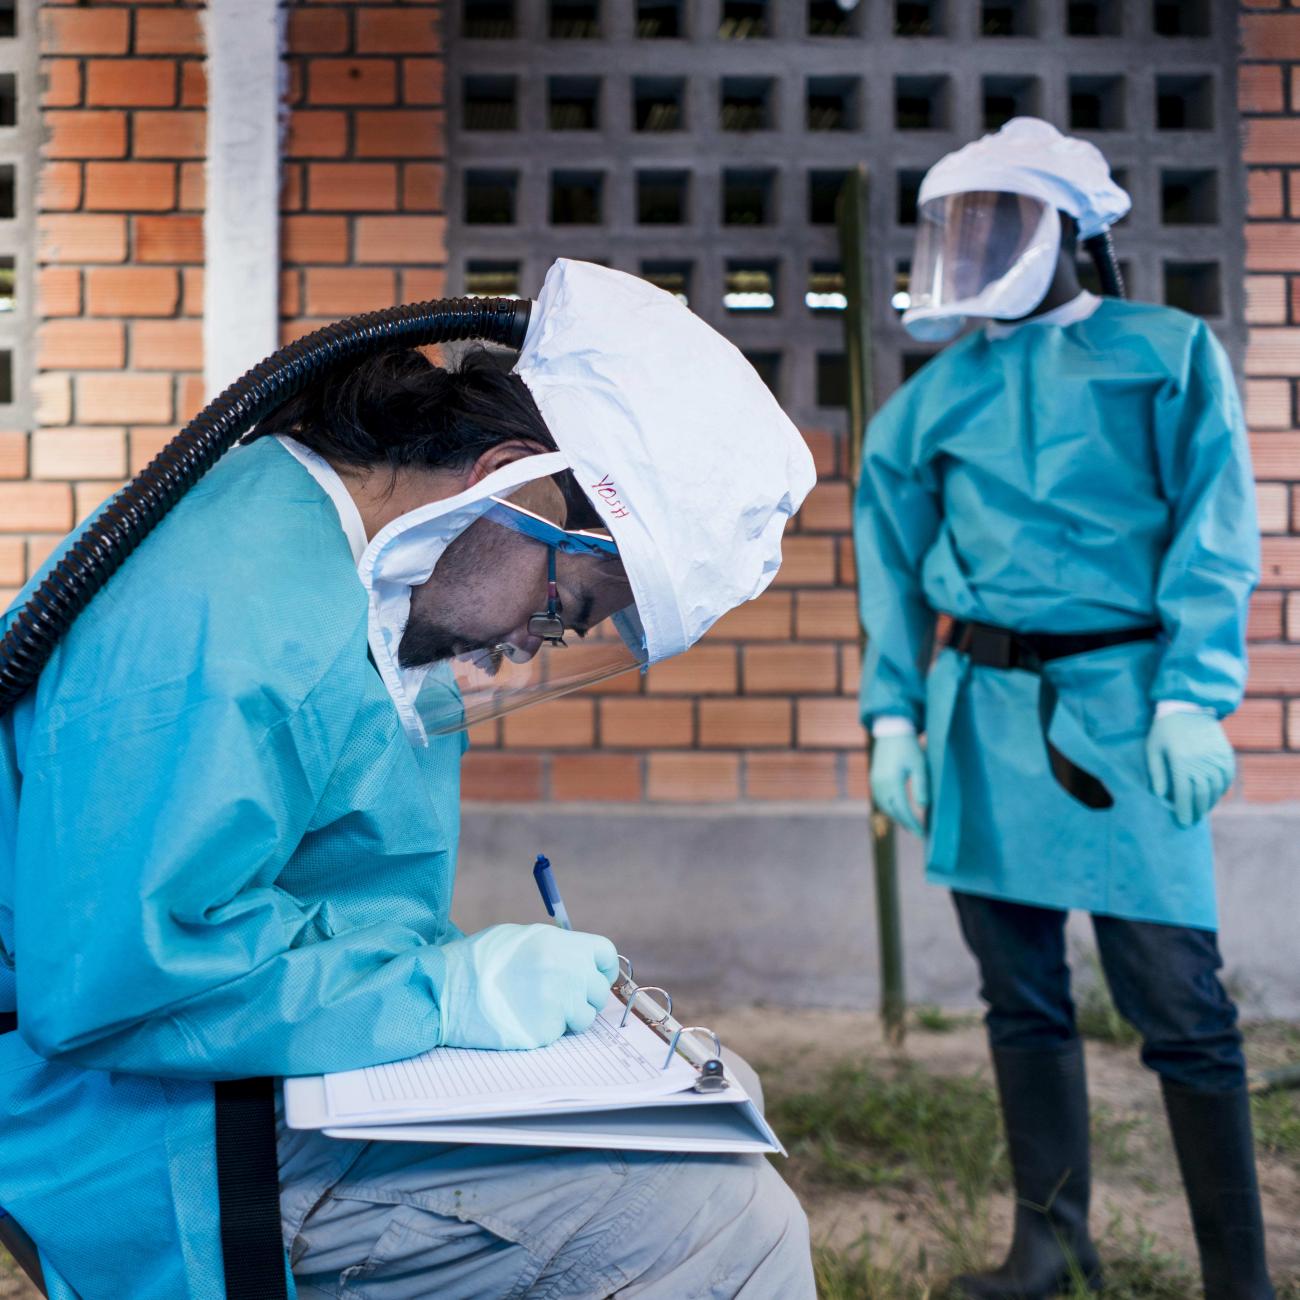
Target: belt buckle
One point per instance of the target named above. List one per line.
(992, 648)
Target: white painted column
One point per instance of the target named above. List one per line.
(241, 226)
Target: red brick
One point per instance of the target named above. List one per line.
(318, 31)
(398, 31)
(192, 291)
(1264, 621)
(78, 453)
(80, 345)
(291, 187)
(827, 509)
(1269, 36)
(61, 87)
(97, 30)
(179, 134)
(59, 187)
(1293, 724)
(318, 133)
(347, 290)
(87, 497)
(13, 561)
(422, 81)
(169, 239)
(790, 669)
(1266, 299)
(351, 81)
(850, 670)
(769, 618)
(145, 444)
(167, 345)
(745, 724)
(1259, 88)
(85, 133)
(130, 83)
(401, 239)
(1264, 193)
(1273, 351)
(829, 724)
(194, 84)
(1257, 725)
(81, 237)
(35, 507)
(314, 239)
(642, 723)
(132, 291)
(1269, 778)
(848, 562)
(566, 723)
(604, 778)
(399, 133)
(1275, 455)
(194, 186)
(825, 447)
(52, 393)
(423, 285)
(826, 615)
(1274, 670)
(707, 669)
(40, 548)
(1293, 616)
(58, 291)
(168, 31)
(693, 778)
(1271, 140)
(352, 187)
(806, 562)
(130, 186)
(190, 397)
(291, 293)
(1272, 507)
(422, 187)
(124, 399)
(13, 454)
(1268, 404)
(1280, 562)
(292, 330)
(501, 778)
(791, 775)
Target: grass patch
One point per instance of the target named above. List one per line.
(936, 1020)
(1095, 1011)
(862, 1128)
(1277, 1125)
(857, 1272)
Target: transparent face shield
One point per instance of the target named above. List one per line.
(986, 253)
(529, 602)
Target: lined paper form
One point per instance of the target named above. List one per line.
(604, 1066)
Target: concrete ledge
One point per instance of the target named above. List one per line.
(775, 904)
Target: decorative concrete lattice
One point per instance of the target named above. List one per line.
(702, 143)
(19, 140)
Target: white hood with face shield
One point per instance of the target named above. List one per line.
(675, 440)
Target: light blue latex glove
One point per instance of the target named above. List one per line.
(522, 986)
(896, 760)
(1191, 763)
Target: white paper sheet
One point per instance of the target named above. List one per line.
(604, 1066)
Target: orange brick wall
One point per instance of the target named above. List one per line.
(765, 709)
(1267, 728)
(119, 264)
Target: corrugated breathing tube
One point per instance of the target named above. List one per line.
(134, 512)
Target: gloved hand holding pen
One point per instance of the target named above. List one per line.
(523, 986)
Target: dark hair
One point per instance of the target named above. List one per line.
(397, 410)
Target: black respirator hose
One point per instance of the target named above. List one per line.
(134, 512)
(1101, 248)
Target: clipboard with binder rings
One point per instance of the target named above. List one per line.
(637, 1080)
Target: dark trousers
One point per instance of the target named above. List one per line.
(1163, 978)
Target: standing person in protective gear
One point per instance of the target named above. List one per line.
(229, 815)
(1070, 484)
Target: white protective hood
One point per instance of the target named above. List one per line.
(679, 444)
(691, 462)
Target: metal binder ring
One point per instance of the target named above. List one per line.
(626, 974)
(648, 988)
(692, 1029)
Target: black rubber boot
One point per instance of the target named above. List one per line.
(1045, 1106)
(1216, 1154)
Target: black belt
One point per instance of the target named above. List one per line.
(1005, 648)
(248, 1185)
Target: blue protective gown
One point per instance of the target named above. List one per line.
(220, 856)
(1065, 478)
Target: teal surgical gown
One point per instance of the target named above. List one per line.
(1063, 478)
(220, 856)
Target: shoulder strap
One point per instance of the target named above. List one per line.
(248, 1190)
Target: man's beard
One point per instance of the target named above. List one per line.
(424, 642)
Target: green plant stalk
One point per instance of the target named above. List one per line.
(851, 215)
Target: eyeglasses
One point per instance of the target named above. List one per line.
(548, 624)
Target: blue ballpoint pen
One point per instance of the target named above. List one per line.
(550, 891)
